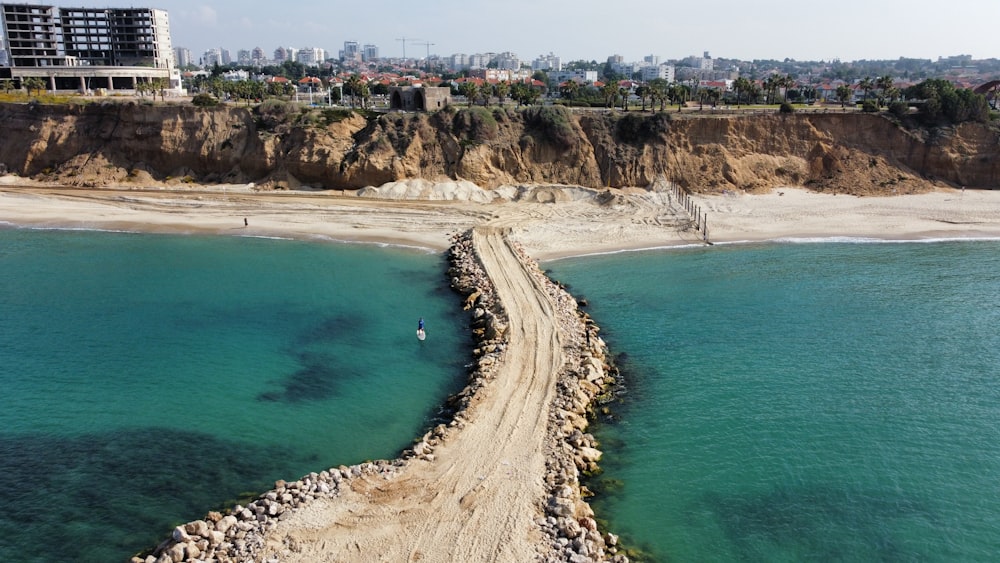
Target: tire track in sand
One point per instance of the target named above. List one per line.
(478, 499)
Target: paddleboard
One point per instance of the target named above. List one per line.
(421, 334)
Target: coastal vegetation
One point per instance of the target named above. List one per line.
(553, 123)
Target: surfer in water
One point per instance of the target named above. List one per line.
(420, 328)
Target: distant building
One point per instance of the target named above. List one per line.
(457, 62)
(500, 75)
(182, 57)
(585, 76)
(87, 48)
(310, 56)
(706, 62)
(547, 63)
(481, 60)
(211, 57)
(507, 61)
(666, 72)
(257, 56)
(351, 52)
(369, 53)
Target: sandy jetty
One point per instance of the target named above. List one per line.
(501, 482)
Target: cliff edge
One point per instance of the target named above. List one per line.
(282, 145)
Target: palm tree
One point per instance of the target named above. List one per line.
(609, 91)
(866, 84)
(643, 92)
(354, 86)
(160, 85)
(786, 82)
(741, 85)
(714, 95)
(884, 84)
(658, 91)
(470, 90)
(365, 93)
(502, 90)
(770, 86)
(892, 94)
(678, 94)
(569, 89)
(844, 93)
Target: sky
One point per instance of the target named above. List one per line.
(592, 30)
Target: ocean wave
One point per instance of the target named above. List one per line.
(627, 250)
(379, 244)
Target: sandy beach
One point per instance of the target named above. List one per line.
(579, 223)
(477, 498)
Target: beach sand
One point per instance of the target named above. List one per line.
(477, 499)
(580, 225)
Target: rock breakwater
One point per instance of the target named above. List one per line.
(564, 521)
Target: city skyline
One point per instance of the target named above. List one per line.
(766, 29)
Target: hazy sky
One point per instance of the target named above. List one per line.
(591, 30)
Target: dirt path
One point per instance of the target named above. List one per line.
(477, 500)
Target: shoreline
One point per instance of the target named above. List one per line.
(548, 231)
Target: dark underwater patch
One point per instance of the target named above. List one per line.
(105, 497)
(321, 372)
(817, 524)
(319, 378)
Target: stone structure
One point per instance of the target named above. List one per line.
(418, 98)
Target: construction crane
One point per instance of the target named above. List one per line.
(428, 45)
(404, 40)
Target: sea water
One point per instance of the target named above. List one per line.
(801, 402)
(148, 379)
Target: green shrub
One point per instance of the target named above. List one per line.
(899, 109)
(554, 123)
(869, 107)
(475, 124)
(204, 100)
(336, 115)
(641, 128)
(786, 108)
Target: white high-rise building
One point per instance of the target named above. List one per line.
(182, 56)
(508, 61)
(548, 62)
(310, 56)
(457, 62)
(666, 72)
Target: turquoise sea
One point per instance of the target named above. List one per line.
(801, 402)
(148, 379)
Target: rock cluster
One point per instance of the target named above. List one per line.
(567, 522)
(239, 535)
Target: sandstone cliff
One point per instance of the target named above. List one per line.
(112, 143)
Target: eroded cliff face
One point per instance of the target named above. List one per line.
(107, 143)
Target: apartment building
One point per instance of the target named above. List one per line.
(87, 48)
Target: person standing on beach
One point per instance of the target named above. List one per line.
(245, 223)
